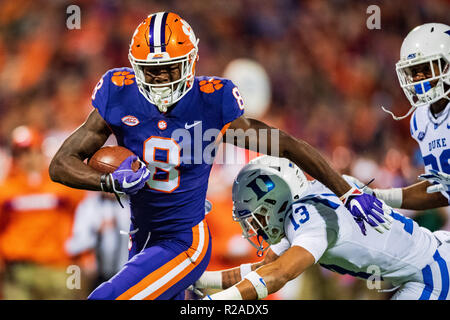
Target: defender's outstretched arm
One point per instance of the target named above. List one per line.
(268, 276)
(415, 197)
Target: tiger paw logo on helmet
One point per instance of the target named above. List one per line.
(121, 78)
(211, 85)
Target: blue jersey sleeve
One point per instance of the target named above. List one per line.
(100, 95)
(232, 103)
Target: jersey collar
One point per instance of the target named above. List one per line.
(441, 117)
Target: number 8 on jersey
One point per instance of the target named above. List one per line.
(162, 156)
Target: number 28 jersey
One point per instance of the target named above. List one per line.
(433, 136)
(177, 146)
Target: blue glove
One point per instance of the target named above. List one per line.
(124, 179)
(366, 208)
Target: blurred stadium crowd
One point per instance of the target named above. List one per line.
(329, 76)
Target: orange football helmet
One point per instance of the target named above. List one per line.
(164, 38)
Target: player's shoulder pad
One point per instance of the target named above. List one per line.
(111, 83)
(119, 78)
(418, 123)
(113, 80)
(213, 86)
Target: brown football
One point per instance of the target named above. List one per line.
(107, 159)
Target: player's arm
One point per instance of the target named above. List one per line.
(413, 197)
(269, 277)
(67, 166)
(297, 150)
(416, 197)
(224, 279)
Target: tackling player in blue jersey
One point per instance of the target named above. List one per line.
(154, 109)
(424, 74)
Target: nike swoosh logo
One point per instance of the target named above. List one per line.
(354, 203)
(262, 281)
(188, 126)
(127, 185)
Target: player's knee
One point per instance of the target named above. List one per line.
(106, 291)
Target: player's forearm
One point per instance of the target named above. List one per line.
(415, 197)
(273, 277)
(269, 276)
(224, 279)
(256, 285)
(74, 173)
(313, 163)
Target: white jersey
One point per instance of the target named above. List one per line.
(321, 224)
(433, 136)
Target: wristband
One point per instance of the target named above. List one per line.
(352, 191)
(392, 197)
(210, 279)
(107, 184)
(232, 293)
(102, 183)
(245, 268)
(258, 283)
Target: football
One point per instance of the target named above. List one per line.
(107, 159)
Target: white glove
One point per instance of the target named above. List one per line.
(358, 184)
(393, 197)
(209, 279)
(196, 290)
(440, 181)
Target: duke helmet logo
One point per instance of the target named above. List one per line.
(257, 189)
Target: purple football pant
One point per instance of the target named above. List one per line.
(162, 270)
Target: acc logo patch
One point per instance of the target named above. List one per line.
(121, 78)
(211, 85)
(130, 121)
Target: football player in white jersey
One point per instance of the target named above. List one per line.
(424, 74)
(302, 223)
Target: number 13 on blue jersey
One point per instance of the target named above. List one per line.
(299, 216)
